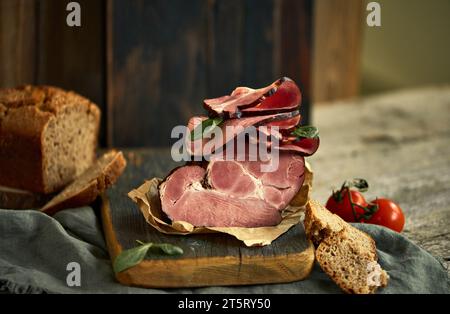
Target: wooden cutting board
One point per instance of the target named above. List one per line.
(209, 259)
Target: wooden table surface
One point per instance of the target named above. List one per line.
(399, 142)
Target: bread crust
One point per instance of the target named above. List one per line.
(25, 112)
(326, 230)
(317, 228)
(88, 193)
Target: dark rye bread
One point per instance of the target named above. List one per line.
(94, 181)
(48, 137)
(19, 199)
(346, 254)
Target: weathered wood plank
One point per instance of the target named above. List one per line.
(73, 57)
(165, 59)
(240, 44)
(17, 42)
(338, 26)
(225, 46)
(109, 72)
(259, 43)
(295, 47)
(158, 70)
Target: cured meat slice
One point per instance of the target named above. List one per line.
(304, 146)
(287, 124)
(287, 97)
(280, 96)
(231, 128)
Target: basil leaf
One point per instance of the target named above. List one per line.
(307, 131)
(132, 257)
(206, 125)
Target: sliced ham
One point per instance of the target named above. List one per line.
(236, 127)
(231, 193)
(286, 124)
(241, 192)
(287, 97)
(280, 96)
(304, 146)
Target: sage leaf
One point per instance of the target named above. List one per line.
(132, 257)
(169, 249)
(306, 131)
(205, 127)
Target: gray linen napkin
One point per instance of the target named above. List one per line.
(35, 250)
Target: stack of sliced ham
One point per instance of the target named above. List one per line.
(235, 193)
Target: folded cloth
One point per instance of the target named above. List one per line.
(35, 250)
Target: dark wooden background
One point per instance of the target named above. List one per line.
(149, 63)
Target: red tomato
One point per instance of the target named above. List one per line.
(388, 214)
(339, 204)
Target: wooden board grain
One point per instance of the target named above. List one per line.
(210, 259)
(338, 26)
(73, 57)
(38, 47)
(294, 45)
(157, 51)
(17, 42)
(259, 43)
(225, 45)
(165, 57)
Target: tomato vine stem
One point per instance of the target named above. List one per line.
(368, 211)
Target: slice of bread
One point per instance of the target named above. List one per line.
(345, 253)
(350, 263)
(94, 181)
(19, 199)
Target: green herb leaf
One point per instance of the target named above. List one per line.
(360, 184)
(131, 257)
(205, 128)
(169, 249)
(306, 131)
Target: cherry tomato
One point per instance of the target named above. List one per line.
(339, 204)
(388, 214)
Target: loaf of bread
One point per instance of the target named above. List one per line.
(48, 137)
(346, 254)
